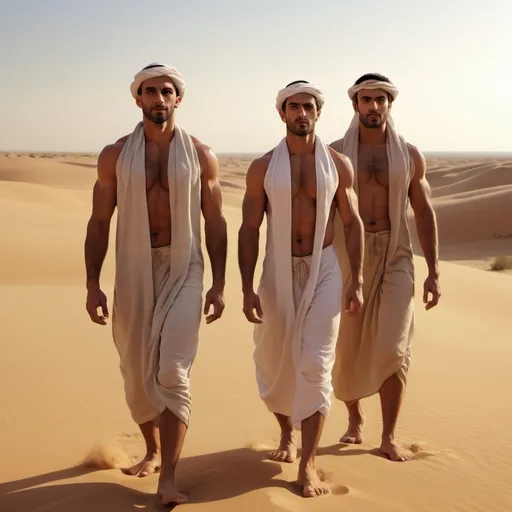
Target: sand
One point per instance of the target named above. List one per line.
(62, 396)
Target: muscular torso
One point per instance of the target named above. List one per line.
(304, 193)
(157, 194)
(373, 185)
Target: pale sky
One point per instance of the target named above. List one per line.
(67, 67)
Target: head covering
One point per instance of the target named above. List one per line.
(158, 69)
(299, 87)
(373, 84)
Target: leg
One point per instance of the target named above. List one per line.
(391, 394)
(308, 478)
(172, 436)
(287, 451)
(151, 462)
(356, 423)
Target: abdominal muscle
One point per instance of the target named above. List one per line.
(303, 226)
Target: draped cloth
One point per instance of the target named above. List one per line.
(300, 298)
(158, 292)
(376, 343)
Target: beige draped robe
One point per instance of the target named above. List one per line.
(376, 343)
(158, 292)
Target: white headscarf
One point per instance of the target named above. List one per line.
(373, 84)
(298, 88)
(158, 69)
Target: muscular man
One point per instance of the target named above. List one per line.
(373, 350)
(299, 185)
(160, 179)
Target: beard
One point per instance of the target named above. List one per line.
(157, 116)
(300, 131)
(375, 122)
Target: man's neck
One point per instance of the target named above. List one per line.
(372, 136)
(160, 134)
(300, 145)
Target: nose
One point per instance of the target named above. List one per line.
(301, 111)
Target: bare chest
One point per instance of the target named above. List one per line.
(373, 166)
(303, 176)
(156, 160)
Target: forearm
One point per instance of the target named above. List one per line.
(96, 246)
(248, 249)
(426, 227)
(355, 248)
(216, 245)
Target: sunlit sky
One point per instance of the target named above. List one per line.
(67, 67)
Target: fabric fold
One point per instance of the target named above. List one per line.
(156, 333)
(279, 340)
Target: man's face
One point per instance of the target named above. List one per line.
(301, 114)
(373, 107)
(158, 99)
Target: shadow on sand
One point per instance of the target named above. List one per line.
(205, 478)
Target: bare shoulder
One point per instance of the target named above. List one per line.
(107, 160)
(343, 165)
(258, 167)
(337, 145)
(207, 158)
(124, 138)
(418, 159)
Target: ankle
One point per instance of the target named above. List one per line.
(287, 434)
(307, 466)
(152, 451)
(388, 438)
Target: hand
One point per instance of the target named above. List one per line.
(215, 298)
(354, 299)
(251, 303)
(97, 299)
(431, 286)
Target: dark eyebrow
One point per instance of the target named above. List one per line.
(306, 104)
(376, 97)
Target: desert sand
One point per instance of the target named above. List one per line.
(62, 398)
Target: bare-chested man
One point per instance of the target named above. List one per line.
(160, 179)
(299, 185)
(373, 350)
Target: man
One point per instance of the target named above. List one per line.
(160, 179)
(299, 184)
(373, 350)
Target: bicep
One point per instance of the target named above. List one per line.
(211, 192)
(419, 188)
(105, 188)
(346, 198)
(254, 202)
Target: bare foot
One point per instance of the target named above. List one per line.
(311, 485)
(354, 433)
(287, 451)
(168, 493)
(147, 466)
(395, 452)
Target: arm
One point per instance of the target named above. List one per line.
(426, 225)
(424, 215)
(215, 228)
(347, 205)
(253, 212)
(98, 229)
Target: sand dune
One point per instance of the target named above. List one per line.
(62, 395)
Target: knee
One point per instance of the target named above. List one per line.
(315, 370)
(174, 377)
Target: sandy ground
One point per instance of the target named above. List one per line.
(62, 395)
